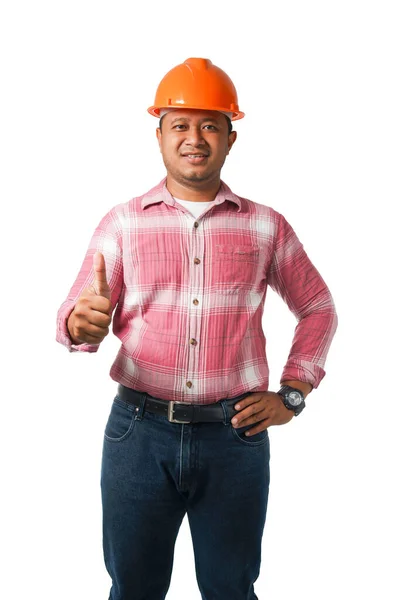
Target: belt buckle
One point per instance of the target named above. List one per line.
(171, 418)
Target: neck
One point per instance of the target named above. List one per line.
(200, 193)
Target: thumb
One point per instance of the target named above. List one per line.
(100, 284)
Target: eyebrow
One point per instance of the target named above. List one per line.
(201, 120)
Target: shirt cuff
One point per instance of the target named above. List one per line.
(302, 370)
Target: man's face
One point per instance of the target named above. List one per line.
(194, 145)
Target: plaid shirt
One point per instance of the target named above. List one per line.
(189, 296)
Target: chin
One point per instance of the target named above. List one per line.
(196, 176)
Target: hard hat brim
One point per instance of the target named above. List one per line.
(236, 115)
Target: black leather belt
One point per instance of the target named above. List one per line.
(181, 412)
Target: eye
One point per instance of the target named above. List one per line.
(211, 127)
(179, 126)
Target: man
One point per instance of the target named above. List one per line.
(187, 266)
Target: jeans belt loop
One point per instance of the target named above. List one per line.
(225, 412)
(139, 410)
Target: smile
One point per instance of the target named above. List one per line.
(195, 158)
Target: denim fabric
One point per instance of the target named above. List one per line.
(153, 472)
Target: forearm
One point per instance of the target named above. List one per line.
(311, 342)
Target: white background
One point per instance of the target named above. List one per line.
(319, 83)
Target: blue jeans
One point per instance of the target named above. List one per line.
(153, 472)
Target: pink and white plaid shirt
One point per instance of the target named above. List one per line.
(190, 296)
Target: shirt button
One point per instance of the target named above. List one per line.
(189, 384)
(197, 261)
(196, 224)
(195, 302)
(193, 342)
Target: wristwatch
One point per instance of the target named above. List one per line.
(292, 398)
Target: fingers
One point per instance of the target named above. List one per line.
(261, 425)
(99, 318)
(89, 334)
(92, 301)
(88, 325)
(96, 331)
(266, 409)
(100, 276)
(92, 314)
(86, 314)
(89, 339)
(252, 409)
(252, 414)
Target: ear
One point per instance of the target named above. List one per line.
(231, 140)
(159, 137)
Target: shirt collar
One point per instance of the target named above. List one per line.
(160, 193)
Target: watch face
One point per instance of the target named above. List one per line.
(295, 398)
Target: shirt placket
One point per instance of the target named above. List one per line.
(196, 298)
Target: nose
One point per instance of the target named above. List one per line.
(194, 137)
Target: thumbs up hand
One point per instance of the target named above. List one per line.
(89, 321)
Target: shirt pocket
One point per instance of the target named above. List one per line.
(235, 268)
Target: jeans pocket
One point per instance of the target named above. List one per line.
(121, 421)
(257, 439)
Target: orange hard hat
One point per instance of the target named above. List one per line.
(197, 83)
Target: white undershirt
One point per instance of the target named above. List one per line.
(196, 208)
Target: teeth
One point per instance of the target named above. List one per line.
(195, 155)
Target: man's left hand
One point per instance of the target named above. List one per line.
(263, 408)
